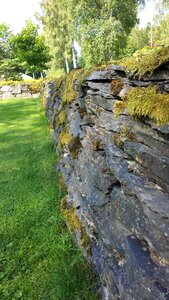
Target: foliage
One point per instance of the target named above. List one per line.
(5, 35)
(154, 34)
(138, 39)
(148, 102)
(146, 60)
(101, 27)
(35, 85)
(58, 28)
(10, 69)
(38, 259)
(30, 49)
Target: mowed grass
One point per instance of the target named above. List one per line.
(38, 259)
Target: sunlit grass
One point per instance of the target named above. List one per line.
(38, 259)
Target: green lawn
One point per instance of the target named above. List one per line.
(38, 259)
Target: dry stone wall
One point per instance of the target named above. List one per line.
(21, 90)
(117, 173)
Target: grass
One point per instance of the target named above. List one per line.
(38, 259)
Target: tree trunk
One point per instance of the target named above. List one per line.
(74, 56)
(67, 64)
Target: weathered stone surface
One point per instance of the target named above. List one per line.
(119, 185)
(21, 90)
(16, 89)
(7, 95)
(6, 88)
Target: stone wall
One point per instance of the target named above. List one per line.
(20, 90)
(117, 173)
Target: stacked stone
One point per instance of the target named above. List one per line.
(21, 90)
(119, 183)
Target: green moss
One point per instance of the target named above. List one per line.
(35, 86)
(68, 93)
(119, 107)
(64, 138)
(148, 102)
(120, 137)
(62, 117)
(74, 146)
(74, 224)
(145, 61)
(62, 183)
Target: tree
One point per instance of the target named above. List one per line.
(59, 30)
(10, 69)
(30, 49)
(100, 26)
(138, 38)
(5, 46)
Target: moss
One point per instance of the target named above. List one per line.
(119, 107)
(74, 146)
(35, 86)
(62, 183)
(148, 102)
(116, 86)
(62, 117)
(145, 61)
(68, 93)
(74, 224)
(120, 137)
(64, 138)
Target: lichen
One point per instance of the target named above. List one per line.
(146, 61)
(148, 102)
(75, 224)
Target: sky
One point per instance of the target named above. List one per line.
(16, 12)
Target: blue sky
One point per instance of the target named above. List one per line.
(15, 12)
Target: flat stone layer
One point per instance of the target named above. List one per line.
(118, 183)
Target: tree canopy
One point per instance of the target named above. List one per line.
(100, 27)
(24, 52)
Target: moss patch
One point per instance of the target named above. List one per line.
(148, 102)
(35, 86)
(145, 61)
(116, 86)
(64, 138)
(74, 224)
(62, 183)
(68, 93)
(120, 137)
(74, 146)
(119, 107)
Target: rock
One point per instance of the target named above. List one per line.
(16, 89)
(7, 95)
(119, 184)
(6, 88)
